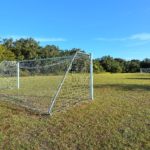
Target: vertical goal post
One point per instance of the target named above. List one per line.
(18, 76)
(91, 77)
(51, 84)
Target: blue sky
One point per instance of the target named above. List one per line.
(120, 28)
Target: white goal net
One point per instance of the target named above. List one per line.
(145, 70)
(47, 85)
(8, 74)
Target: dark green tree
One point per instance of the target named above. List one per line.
(116, 67)
(133, 66)
(8, 43)
(110, 64)
(26, 48)
(97, 67)
(6, 54)
(145, 63)
(49, 51)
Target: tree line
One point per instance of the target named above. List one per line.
(26, 49)
(119, 65)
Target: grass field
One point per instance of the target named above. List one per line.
(37, 92)
(118, 118)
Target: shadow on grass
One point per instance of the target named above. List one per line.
(139, 78)
(124, 87)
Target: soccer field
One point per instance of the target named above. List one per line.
(118, 118)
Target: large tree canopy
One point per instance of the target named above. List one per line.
(30, 49)
(6, 54)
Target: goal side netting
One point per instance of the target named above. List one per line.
(144, 70)
(47, 85)
(8, 74)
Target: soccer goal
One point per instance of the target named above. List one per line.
(48, 85)
(144, 70)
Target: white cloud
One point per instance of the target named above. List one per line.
(141, 37)
(110, 39)
(135, 37)
(39, 39)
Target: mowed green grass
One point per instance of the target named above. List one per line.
(118, 118)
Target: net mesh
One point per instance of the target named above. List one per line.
(8, 74)
(40, 80)
(76, 85)
(145, 70)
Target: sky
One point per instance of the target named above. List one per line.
(119, 28)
